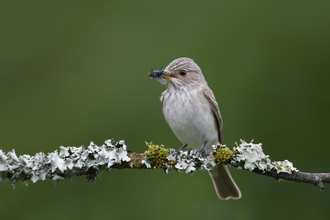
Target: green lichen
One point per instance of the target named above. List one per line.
(158, 155)
(223, 155)
(172, 162)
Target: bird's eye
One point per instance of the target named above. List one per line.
(183, 72)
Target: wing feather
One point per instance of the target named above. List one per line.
(215, 109)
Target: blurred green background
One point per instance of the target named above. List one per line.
(72, 72)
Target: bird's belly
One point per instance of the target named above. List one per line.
(193, 123)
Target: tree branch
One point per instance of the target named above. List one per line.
(316, 179)
(89, 161)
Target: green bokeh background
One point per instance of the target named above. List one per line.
(72, 72)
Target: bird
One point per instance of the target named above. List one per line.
(192, 112)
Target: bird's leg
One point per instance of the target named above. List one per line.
(178, 151)
(202, 151)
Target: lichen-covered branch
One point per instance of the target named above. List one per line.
(316, 179)
(70, 161)
(251, 157)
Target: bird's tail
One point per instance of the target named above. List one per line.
(224, 184)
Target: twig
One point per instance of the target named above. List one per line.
(316, 179)
(73, 161)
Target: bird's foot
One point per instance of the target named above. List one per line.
(202, 152)
(178, 151)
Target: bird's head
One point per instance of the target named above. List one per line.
(182, 71)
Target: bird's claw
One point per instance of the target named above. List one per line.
(202, 153)
(177, 154)
(178, 151)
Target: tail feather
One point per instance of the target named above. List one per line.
(224, 184)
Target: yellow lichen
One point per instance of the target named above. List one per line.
(223, 155)
(158, 155)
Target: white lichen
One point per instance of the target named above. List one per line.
(284, 167)
(146, 162)
(251, 156)
(190, 161)
(69, 161)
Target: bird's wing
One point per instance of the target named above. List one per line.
(215, 110)
(162, 100)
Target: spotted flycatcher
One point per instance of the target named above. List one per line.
(193, 114)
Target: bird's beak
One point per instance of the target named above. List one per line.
(160, 73)
(161, 76)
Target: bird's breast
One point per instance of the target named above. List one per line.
(190, 117)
